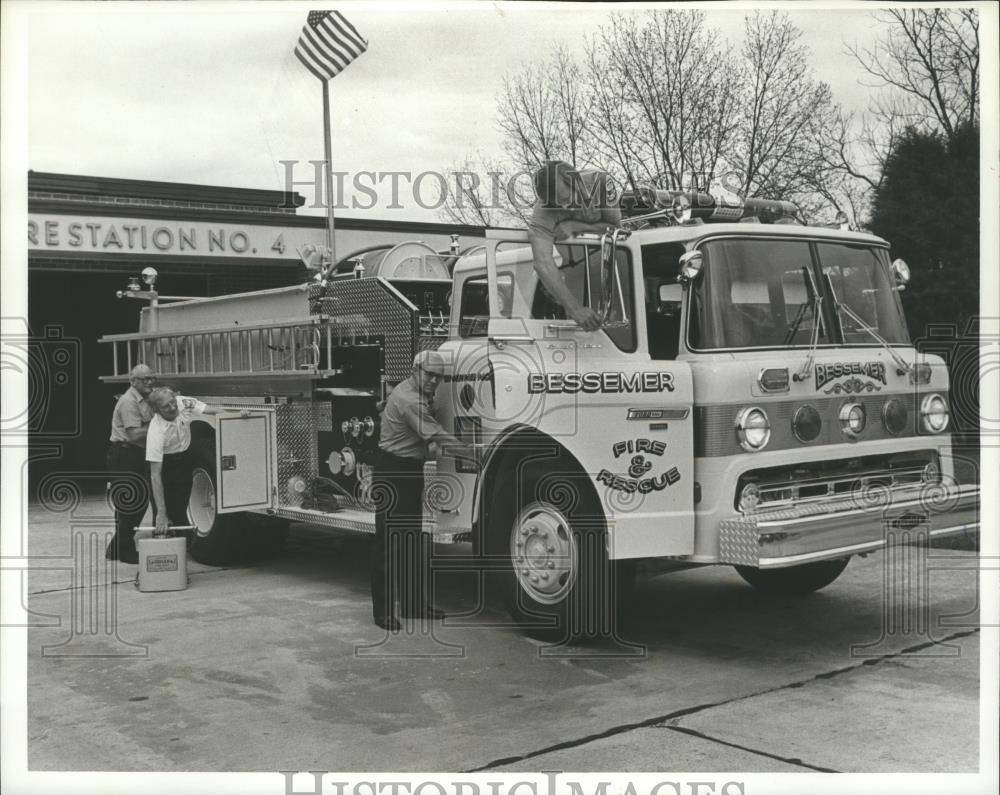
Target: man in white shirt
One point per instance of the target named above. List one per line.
(168, 443)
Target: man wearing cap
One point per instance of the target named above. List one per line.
(569, 201)
(129, 485)
(400, 558)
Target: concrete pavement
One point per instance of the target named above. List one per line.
(277, 666)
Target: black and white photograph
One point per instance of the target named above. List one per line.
(499, 398)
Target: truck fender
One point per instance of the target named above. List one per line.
(203, 425)
(505, 448)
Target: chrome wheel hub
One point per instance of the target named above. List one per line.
(543, 553)
(201, 505)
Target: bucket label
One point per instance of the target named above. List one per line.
(161, 563)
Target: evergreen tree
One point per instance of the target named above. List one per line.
(927, 207)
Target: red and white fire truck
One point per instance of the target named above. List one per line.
(751, 399)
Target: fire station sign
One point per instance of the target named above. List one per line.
(110, 235)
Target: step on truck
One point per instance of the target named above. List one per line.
(752, 399)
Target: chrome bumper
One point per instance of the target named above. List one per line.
(834, 529)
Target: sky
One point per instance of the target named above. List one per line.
(212, 93)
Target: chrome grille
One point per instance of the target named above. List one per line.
(852, 480)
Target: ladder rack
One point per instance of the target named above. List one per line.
(302, 347)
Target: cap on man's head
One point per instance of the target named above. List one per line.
(546, 178)
(430, 362)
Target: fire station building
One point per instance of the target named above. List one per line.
(88, 235)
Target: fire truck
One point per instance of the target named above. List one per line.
(751, 399)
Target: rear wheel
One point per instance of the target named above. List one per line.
(795, 580)
(547, 532)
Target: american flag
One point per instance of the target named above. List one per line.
(328, 43)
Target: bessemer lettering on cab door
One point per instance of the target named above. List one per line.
(607, 383)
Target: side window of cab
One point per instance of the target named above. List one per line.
(474, 305)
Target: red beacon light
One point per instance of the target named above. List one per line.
(648, 205)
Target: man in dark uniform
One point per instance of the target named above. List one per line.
(400, 559)
(126, 462)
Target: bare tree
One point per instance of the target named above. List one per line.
(677, 95)
(782, 108)
(479, 193)
(929, 58)
(659, 98)
(543, 111)
(926, 75)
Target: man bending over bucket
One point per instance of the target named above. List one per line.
(168, 452)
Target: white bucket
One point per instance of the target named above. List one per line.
(162, 561)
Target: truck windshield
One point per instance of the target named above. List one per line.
(762, 294)
(862, 283)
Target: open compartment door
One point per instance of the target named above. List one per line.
(245, 461)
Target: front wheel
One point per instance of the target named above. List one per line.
(795, 580)
(547, 532)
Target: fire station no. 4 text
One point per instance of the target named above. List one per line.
(570, 383)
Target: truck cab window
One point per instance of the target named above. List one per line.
(574, 261)
(754, 294)
(663, 317)
(474, 316)
(860, 278)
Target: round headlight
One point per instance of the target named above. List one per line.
(752, 428)
(934, 413)
(894, 416)
(853, 419)
(806, 424)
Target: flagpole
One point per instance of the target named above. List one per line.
(327, 152)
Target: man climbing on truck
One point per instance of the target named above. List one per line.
(569, 202)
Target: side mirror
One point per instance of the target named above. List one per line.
(901, 272)
(690, 263)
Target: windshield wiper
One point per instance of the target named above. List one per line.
(902, 367)
(815, 303)
(800, 315)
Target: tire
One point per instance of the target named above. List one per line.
(223, 539)
(546, 538)
(795, 580)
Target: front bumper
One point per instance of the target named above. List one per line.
(837, 528)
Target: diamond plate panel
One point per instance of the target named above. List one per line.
(296, 431)
(365, 308)
(430, 342)
(738, 542)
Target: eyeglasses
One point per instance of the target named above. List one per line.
(147, 378)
